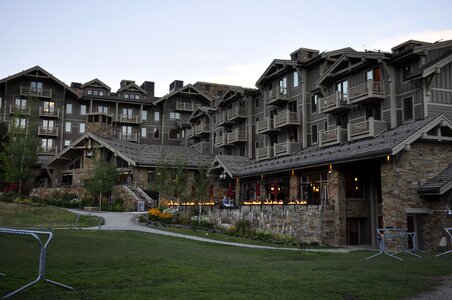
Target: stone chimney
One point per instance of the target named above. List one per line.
(125, 82)
(175, 85)
(100, 124)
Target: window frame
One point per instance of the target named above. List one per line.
(66, 127)
(411, 98)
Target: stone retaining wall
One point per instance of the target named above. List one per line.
(309, 223)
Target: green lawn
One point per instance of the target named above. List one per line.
(33, 216)
(134, 265)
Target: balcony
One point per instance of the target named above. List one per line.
(49, 112)
(47, 131)
(265, 126)
(287, 148)
(264, 153)
(202, 128)
(366, 92)
(277, 96)
(190, 132)
(202, 147)
(368, 128)
(130, 136)
(52, 150)
(222, 119)
(236, 136)
(130, 119)
(332, 137)
(334, 103)
(236, 112)
(21, 110)
(28, 91)
(185, 106)
(286, 119)
(220, 141)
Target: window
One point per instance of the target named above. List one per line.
(408, 110)
(20, 122)
(67, 143)
(342, 88)
(82, 128)
(296, 79)
(374, 111)
(144, 115)
(156, 116)
(102, 109)
(174, 116)
(68, 127)
(257, 120)
(48, 106)
(314, 103)
(406, 70)
(257, 144)
(127, 113)
(69, 108)
(374, 74)
(314, 134)
(36, 87)
(242, 150)
(174, 134)
(283, 86)
(293, 134)
(257, 102)
(101, 93)
(48, 126)
(95, 93)
(126, 96)
(137, 97)
(313, 188)
(144, 132)
(156, 133)
(292, 106)
(90, 92)
(83, 109)
(126, 131)
(47, 145)
(21, 104)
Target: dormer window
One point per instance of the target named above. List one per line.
(89, 92)
(101, 93)
(126, 96)
(95, 93)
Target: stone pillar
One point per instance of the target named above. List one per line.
(237, 191)
(294, 186)
(336, 195)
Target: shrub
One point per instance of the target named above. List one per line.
(158, 216)
(243, 227)
(202, 222)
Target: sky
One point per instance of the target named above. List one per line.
(230, 42)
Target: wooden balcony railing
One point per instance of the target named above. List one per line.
(236, 112)
(264, 152)
(286, 119)
(202, 128)
(21, 110)
(331, 137)
(132, 137)
(49, 112)
(202, 147)
(28, 91)
(287, 147)
(265, 126)
(277, 96)
(185, 106)
(236, 136)
(368, 128)
(367, 91)
(48, 131)
(220, 141)
(334, 103)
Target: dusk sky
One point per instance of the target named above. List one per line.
(229, 42)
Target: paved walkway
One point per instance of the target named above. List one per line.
(127, 221)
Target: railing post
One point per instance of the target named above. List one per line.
(370, 88)
(349, 132)
(371, 126)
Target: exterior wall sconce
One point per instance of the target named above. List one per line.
(262, 177)
(293, 173)
(388, 158)
(330, 170)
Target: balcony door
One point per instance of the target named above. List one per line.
(127, 113)
(342, 87)
(48, 125)
(374, 74)
(126, 131)
(21, 104)
(48, 106)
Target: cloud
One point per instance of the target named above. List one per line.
(244, 75)
(387, 43)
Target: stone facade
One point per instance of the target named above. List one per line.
(308, 223)
(336, 196)
(400, 179)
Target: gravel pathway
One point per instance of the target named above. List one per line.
(127, 221)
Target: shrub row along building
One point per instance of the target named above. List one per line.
(329, 147)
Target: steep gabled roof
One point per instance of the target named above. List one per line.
(187, 89)
(132, 85)
(231, 164)
(350, 61)
(38, 71)
(433, 66)
(94, 81)
(276, 67)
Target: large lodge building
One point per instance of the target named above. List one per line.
(352, 141)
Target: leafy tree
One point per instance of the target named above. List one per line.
(161, 179)
(200, 183)
(104, 177)
(179, 178)
(20, 151)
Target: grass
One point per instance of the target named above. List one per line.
(135, 265)
(34, 216)
(220, 236)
